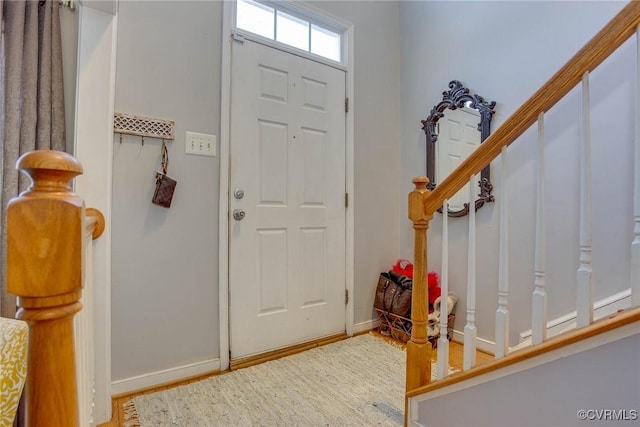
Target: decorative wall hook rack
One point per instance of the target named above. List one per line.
(143, 127)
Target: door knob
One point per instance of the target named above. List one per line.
(238, 214)
(238, 193)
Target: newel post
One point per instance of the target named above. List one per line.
(419, 347)
(45, 238)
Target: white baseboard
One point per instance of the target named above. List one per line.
(481, 344)
(602, 308)
(153, 379)
(365, 326)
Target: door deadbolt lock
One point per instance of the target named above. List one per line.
(238, 214)
(238, 193)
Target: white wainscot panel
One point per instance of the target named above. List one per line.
(272, 273)
(273, 163)
(273, 84)
(314, 259)
(315, 94)
(315, 167)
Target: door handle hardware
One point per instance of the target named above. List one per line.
(238, 214)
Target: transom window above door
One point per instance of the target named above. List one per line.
(278, 22)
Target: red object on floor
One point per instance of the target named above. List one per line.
(404, 267)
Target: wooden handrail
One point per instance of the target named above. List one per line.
(599, 48)
(95, 223)
(610, 38)
(46, 231)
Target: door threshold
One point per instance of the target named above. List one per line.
(245, 362)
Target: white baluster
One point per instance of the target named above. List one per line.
(470, 331)
(502, 313)
(585, 283)
(90, 312)
(81, 335)
(635, 245)
(443, 341)
(539, 304)
(84, 324)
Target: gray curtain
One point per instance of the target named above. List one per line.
(31, 95)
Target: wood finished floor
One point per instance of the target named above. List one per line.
(117, 420)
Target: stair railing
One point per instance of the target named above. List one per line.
(47, 231)
(424, 203)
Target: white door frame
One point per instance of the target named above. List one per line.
(223, 227)
(95, 98)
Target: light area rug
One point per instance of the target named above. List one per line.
(355, 382)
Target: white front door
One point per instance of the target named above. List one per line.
(458, 137)
(287, 237)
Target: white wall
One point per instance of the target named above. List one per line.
(165, 261)
(165, 267)
(505, 51)
(552, 394)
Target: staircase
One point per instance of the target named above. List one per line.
(548, 380)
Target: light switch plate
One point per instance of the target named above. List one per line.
(200, 144)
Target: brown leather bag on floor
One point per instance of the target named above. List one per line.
(393, 294)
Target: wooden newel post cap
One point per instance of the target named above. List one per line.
(45, 227)
(48, 169)
(417, 199)
(420, 182)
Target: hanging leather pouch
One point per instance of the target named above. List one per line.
(165, 186)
